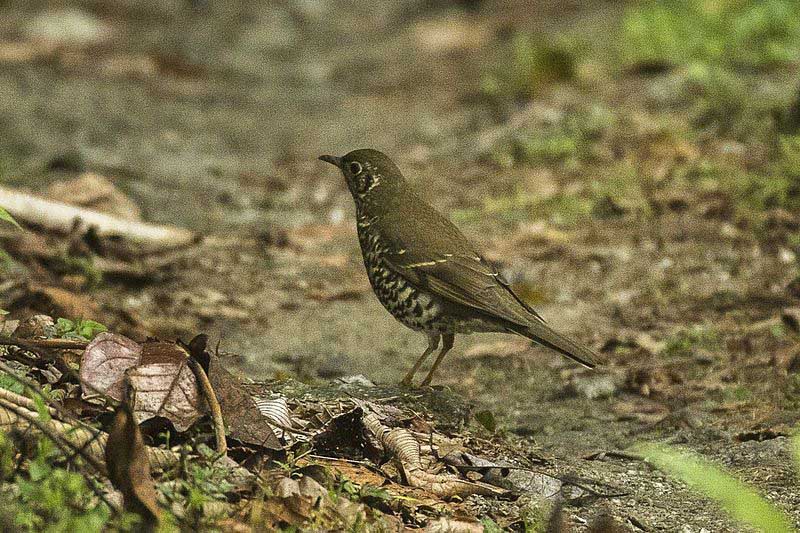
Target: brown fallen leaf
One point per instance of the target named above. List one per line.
(295, 502)
(157, 372)
(406, 451)
(245, 422)
(105, 362)
(165, 386)
(129, 469)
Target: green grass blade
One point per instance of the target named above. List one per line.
(4, 215)
(741, 501)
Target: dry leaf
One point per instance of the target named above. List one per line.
(295, 502)
(165, 386)
(245, 422)
(104, 363)
(401, 444)
(276, 410)
(129, 469)
(95, 192)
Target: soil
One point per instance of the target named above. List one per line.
(210, 116)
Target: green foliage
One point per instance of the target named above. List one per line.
(722, 100)
(47, 497)
(78, 329)
(567, 140)
(82, 265)
(490, 526)
(685, 341)
(738, 393)
(562, 209)
(486, 419)
(529, 65)
(731, 32)
(742, 502)
(5, 216)
(535, 516)
(10, 383)
(754, 194)
(198, 484)
(717, 44)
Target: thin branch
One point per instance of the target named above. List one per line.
(64, 344)
(61, 217)
(213, 405)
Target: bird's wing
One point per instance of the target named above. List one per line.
(464, 278)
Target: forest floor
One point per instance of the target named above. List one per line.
(645, 205)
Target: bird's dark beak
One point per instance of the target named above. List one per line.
(332, 159)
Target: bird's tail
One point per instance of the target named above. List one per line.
(543, 334)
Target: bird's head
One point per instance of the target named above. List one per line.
(369, 174)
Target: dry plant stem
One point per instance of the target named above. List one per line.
(47, 430)
(61, 217)
(93, 443)
(66, 447)
(34, 388)
(63, 344)
(213, 405)
(23, 401)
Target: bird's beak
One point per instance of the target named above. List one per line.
(332, 159)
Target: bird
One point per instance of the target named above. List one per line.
(427, 274)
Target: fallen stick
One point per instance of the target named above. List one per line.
(60, 217)
(213, 404)
(63, 344)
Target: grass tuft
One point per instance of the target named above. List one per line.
(739, 500)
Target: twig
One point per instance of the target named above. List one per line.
(213, 405)
(63, 344)
(61, 217)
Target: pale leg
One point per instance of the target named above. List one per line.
(447, 343)
(433, 343)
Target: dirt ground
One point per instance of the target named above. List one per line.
(210, 116)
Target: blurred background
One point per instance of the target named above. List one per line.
(632, 167)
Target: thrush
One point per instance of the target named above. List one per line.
(426, 273)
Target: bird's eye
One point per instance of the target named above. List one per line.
(355, 168)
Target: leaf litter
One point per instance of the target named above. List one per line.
(374, 440)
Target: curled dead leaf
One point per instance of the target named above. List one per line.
(405, 449)
(129, 469)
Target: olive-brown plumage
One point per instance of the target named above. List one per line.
(426, 273)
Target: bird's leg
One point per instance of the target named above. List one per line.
(447, 343)
(433, 343)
